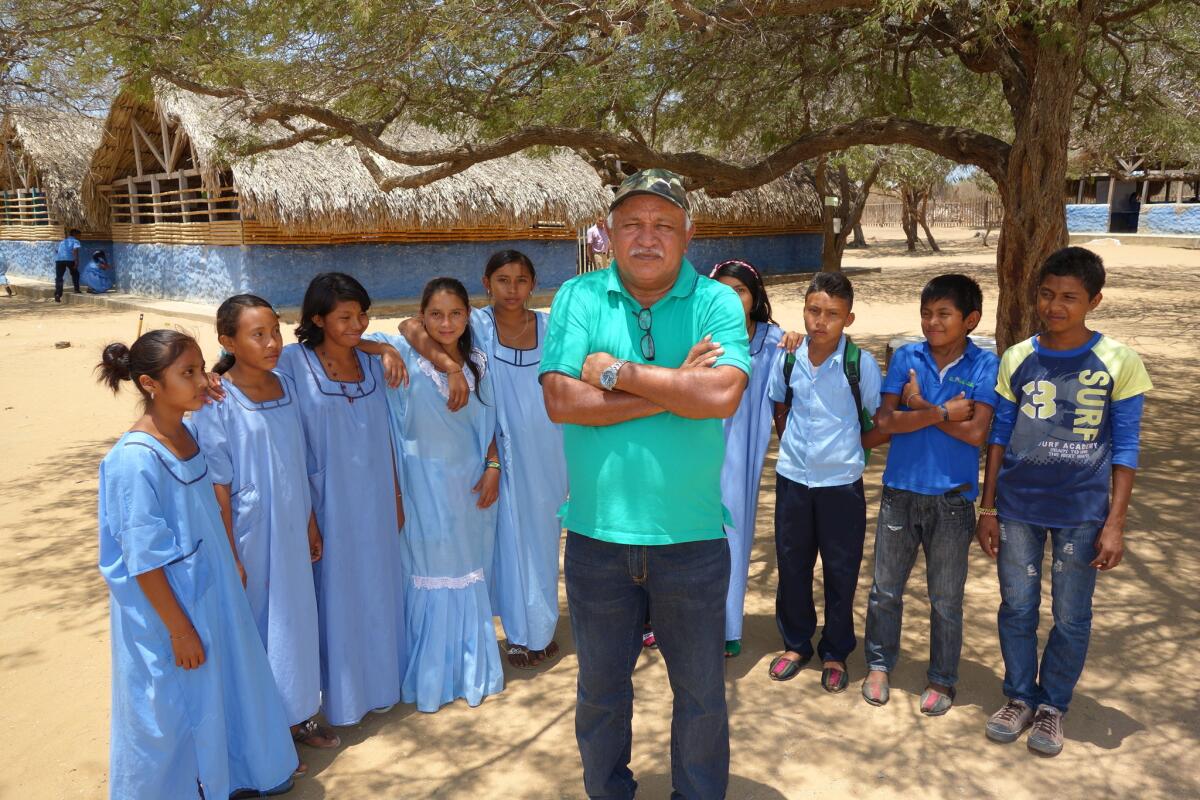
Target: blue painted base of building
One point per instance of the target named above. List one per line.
(280, 273)
(1159, 218)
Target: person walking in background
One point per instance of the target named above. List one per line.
(599, 248)
(66, 258)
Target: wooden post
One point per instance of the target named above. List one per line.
(137, 152)
(131, 189)
(156, 198)
(1145, 190)
(1112, 187)
(1079, 193)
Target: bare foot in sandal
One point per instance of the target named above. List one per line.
(520, 657)
(546, 654)
(314, 735)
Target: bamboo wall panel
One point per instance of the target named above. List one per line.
(712, 230)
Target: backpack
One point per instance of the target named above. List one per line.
(851, 366)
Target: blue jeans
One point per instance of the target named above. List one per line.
(1072, 583)
(610, 587)
(943, 526)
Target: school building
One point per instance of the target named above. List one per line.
(44, 156)
(190, 220)
(1134, 196)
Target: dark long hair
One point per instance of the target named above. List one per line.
(322, 296)
(760, 306)
(502, 257)
(152, 353)
(228, 316)
(465, 343)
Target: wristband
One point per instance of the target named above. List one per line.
(988, 511)
(945, 412)
(491, 463)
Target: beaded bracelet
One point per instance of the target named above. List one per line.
(986, 511)
(491, 464)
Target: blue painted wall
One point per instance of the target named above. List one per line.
(280, 273)
(797, 252)
(1170, 219)
(1087, 218)
(36, 259)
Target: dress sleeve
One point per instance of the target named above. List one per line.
(776, 389)
(213, 439)
(135, 515)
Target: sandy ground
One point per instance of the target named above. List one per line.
(1132, 730)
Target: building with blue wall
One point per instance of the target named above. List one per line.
(1135, 199)
(190, 222)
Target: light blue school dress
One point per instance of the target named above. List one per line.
(448, 542)
(97, 279)
(359, 579)
(221, 725)
(258, 450)
(533, 487)
(747, 435)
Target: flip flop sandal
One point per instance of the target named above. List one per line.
(515, 652)
(648, 640)
(733, 648)
(935, 703)
(834, 680)
(311, 729)
(784, 669)
(876, 698)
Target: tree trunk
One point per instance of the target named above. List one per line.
(908, 217)
(859, 239)
(923, 218)
(1035, 223)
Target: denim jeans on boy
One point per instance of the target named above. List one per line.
(1072, 582)
(609, 588)
(832, 521)
(943, 526)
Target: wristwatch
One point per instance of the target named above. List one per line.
(608, 378)
(945, 412)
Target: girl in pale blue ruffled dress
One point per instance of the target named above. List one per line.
(450, 480)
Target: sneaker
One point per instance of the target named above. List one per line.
(1007, 724)
(1047, 734)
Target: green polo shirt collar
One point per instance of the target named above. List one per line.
(685, 284)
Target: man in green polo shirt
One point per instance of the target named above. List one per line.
(641, 362)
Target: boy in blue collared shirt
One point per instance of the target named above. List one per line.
(938, 398)
(820, 507)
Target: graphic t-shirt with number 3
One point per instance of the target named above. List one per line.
(1065, 417)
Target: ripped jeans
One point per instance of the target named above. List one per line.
(1072, 583)
(943, 526)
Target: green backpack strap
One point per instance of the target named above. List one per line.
(789, 364)
(852, 365)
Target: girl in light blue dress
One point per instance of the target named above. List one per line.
(97, 275)
(450, 480)
(352, 478)
(747, 435)
(195, 709)
(253, 440)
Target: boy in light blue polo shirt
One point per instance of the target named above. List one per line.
(938, 398)
(819, 501)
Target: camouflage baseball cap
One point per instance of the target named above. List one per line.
(660, 182)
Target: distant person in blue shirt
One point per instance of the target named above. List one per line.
(98, 275)
(938, 398)
(819, 501)
(66, 258)
(1068, 418)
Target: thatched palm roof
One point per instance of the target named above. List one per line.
(60, 145)
(325, 187)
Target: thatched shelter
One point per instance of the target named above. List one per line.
(1133, 195)
(193, 219)
(44, 155)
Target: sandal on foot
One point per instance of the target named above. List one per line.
(519, 657)
(311, 734)
(648, 640)
(878, 695)
(834, 680)
(733, 648)
(784, 669)
(935, 703)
